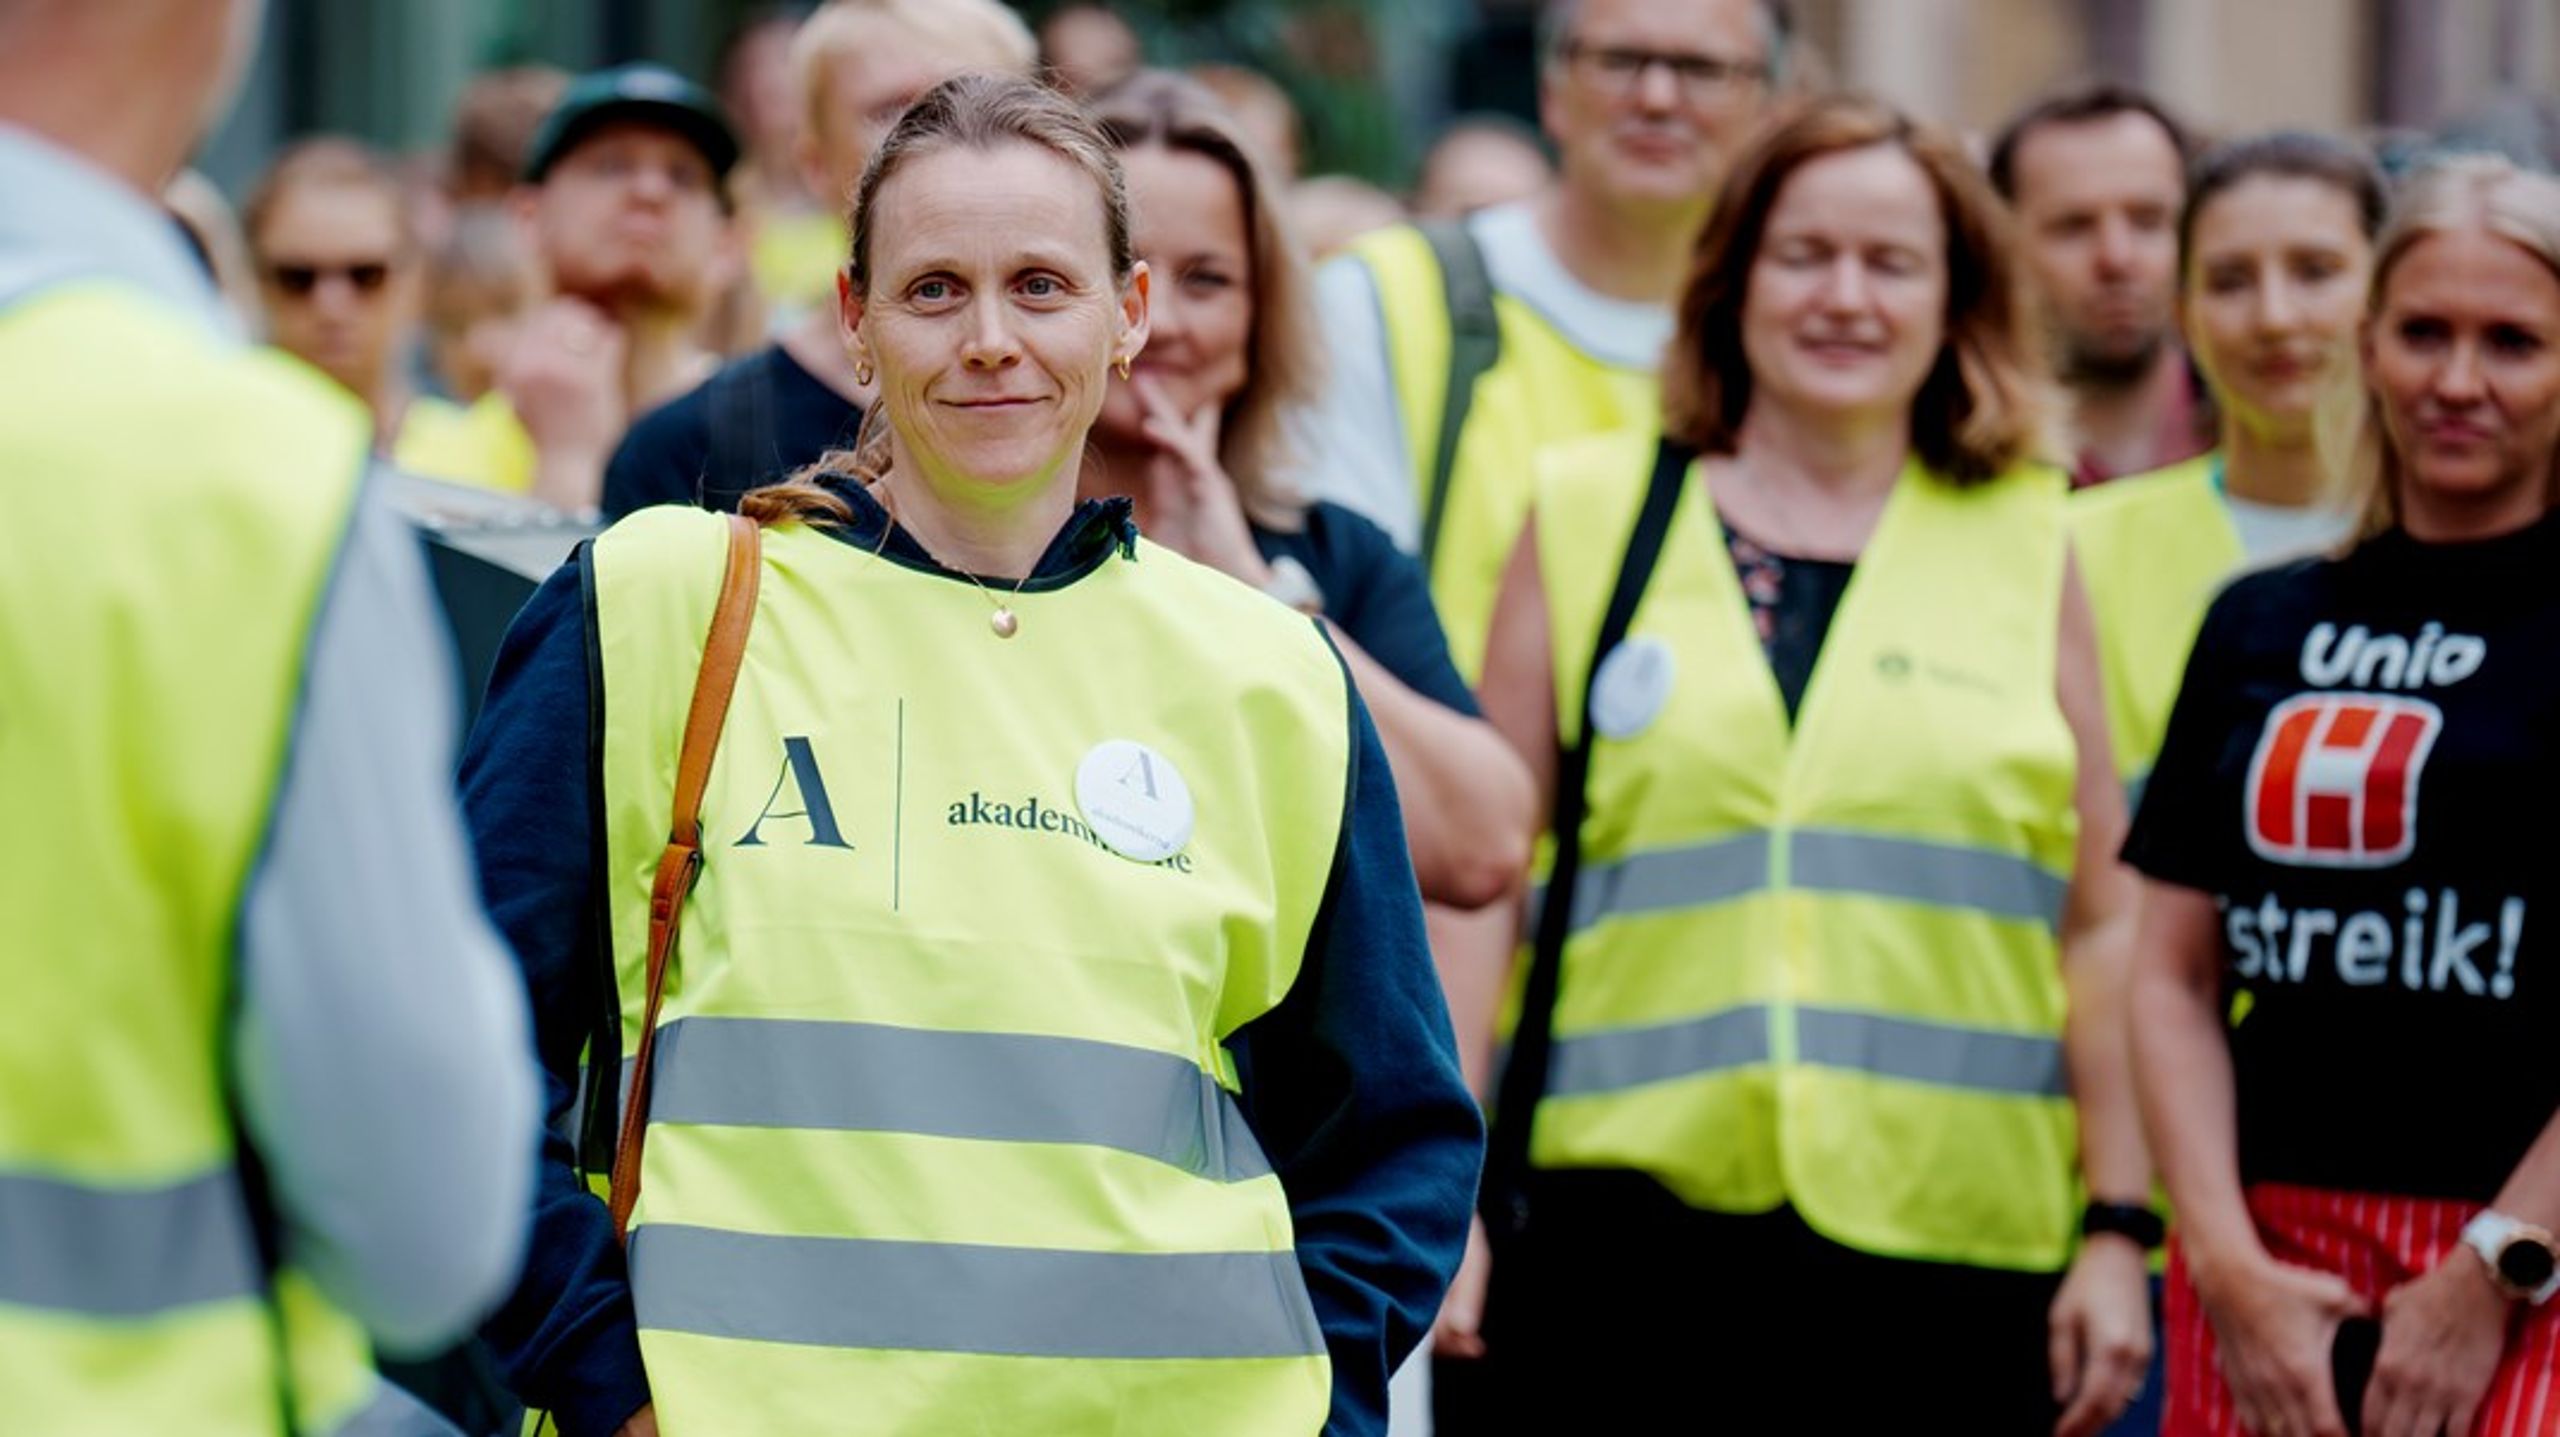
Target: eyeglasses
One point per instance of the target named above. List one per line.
(1703, 78)
(299, 280)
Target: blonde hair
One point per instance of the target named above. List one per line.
(1988, 403)
(967, 112)
(985, 31)
(2486, 193)
(1284, 368)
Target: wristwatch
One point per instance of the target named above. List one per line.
(2522, 1259)
(2124, 1219)
(1291, 584)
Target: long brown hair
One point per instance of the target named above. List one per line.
(966, 112)
(1285, 362)
(1988, 403)
(2468, 192)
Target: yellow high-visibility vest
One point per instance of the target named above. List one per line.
(169, 538)
(1817, 963)
(2154, 549)
(944, 1134)
(1542, 389)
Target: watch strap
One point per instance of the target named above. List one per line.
(2125, 1219)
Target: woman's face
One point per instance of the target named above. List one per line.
(1846, 309)
(2463, 355)
(992, 317)
(2274, 288)
(1187, 214)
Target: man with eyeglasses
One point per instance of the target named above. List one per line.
(625, 203)
(1460, 348)
(329, 233)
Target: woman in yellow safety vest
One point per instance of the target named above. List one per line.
(1050, 1045)
(2275, 246)
(1819, 1040)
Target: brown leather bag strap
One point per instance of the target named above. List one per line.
(682, 861)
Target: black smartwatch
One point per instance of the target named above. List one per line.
(2124, 1219)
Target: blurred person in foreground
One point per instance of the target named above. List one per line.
(1086, 48)
(625, 205)
(1458, 351)
(859, 63)
(264, 1089)
(2342, 1019)
(1478, 162)
(1197, 439)
(1826, 984)
(2276, 246)
(1068, 1065)
(2097, 176)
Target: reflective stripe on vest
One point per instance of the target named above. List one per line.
(2153, 551)
(1541, 390)
(943, 1136)
(954, 1297)
(124, 1252)
(182, 506)
(997, 1087)
(1816, 962)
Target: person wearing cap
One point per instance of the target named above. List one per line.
(624, 202)
(856, 65)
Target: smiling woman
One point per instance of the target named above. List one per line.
(902, 1163)
(1822, 988)
(2370, 1139)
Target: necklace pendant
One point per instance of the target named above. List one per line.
(1004, 623)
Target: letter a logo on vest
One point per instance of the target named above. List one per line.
(799, 769)
(2334, 783)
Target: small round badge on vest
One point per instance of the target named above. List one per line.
(1134, 800)
(1631, 686)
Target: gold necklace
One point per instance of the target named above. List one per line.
(1004, 621)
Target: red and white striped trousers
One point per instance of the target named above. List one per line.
(2376, 1242)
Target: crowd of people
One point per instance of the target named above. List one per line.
(1784, 773)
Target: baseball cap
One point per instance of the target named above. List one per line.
(650, 94)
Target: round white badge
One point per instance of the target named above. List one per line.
(1630, 688)
(1134, 800)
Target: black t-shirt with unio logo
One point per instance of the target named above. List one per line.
(2363, 769)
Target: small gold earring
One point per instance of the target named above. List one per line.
(1122, 365)
(862, 373)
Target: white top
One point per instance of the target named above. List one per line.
(2273, 534)
(1354, 440)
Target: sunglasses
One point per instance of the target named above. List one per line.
(299, 280)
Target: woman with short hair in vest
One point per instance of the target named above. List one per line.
(2343, 1033)
(1050, 1045)
(1821, 1035)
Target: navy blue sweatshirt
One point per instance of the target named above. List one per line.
(1351, 1084)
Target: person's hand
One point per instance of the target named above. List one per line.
(2441, 1337)
(2275, 1324)
(1192, 506)
(563, 374)
(1459, 1332)
(643, 1423)
(2099, 1334)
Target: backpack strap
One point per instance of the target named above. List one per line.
(1475, 345)
(1524, 1077)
